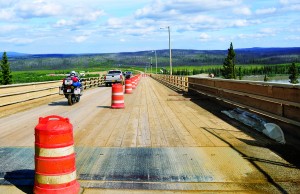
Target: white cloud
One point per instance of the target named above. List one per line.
(268, 30)
(293, 38)
(83, 15)
(295, 30)
(168, 8)
(203, 19)
(130, 27)
(257, 35)
(37, 9)
(239, 23)
(138, 31)
(243, 23)
(116, 23)
(287, 2)
(79, 18)
(222, 39)
(266, 11)
(17, 41)
(80, 39)
(196, 6)
(204, 37)
(290, 5)
(196, 15)
(10, 28)
(6, 14)
(242, 11)
(8, 3)
(246, 36)
(295, 7)
(63, 22)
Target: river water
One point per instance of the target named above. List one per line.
(274, 79)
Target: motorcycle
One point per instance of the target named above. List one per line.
(72, 90)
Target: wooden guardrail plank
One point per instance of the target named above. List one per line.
(277, 91)
(17, 93)
(265, 98)
(180, 82)
(281, 118)
(23, 97)
(281, 100)
(15, 88)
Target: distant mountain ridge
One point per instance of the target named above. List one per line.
(265, 50)
(14, 54)
(180, 57)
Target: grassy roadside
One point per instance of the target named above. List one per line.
(54, 75)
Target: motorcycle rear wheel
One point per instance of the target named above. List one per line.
(77, 98)
(70, 100)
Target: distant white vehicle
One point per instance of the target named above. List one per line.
(114, 76)
(82, 73)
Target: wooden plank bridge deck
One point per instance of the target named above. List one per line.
(165, 142)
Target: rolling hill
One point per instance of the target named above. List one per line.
(180, 57)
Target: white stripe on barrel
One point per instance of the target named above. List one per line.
(118, 94)
(54, 152)
(118, 101)
(59, 179)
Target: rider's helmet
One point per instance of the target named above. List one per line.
(73, 73)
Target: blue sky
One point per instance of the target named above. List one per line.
(105, 26)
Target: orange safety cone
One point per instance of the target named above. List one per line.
(55, 169)
(128, 86)
(117, 100)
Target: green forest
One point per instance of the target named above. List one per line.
(269, 70)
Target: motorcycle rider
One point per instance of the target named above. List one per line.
(72, 88)
(76, 79)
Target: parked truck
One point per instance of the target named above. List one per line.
(114, 76)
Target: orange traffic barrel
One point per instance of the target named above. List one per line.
(133, 82)
(55, 169)
(128, 86)
(117, 100)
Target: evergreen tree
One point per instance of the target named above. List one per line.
(266, 78)
(228, 70)
(240, 73)
(293, 70)
(6, 77)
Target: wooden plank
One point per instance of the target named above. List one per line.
(157, 135)
(102, 135)
(169, 132)
(130, 135)
(200, 122)
(195, 131)
(117, 135)
(143, 133)
(185, 137)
